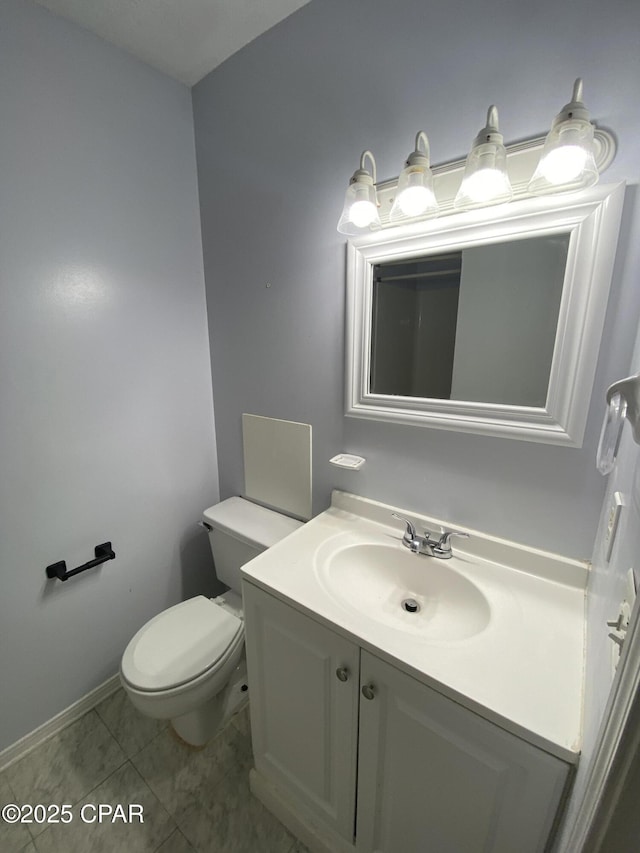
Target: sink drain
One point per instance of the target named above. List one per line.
(410, 605)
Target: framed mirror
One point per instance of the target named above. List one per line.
(488, 321)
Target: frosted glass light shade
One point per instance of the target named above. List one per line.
(485, 180)
(415, 195)
(568, 160)
(360, 211)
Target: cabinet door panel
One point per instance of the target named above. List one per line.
(435, 778)
(303, 717)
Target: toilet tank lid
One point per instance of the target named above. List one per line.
(250, 522)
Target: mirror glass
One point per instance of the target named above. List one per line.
(476, 324)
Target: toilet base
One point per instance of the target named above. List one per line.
(199, 726)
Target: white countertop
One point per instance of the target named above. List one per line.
(523, 671)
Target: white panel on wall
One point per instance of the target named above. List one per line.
(277, 463)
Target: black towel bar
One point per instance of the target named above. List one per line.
(103, 553)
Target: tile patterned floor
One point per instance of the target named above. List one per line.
(193, 801)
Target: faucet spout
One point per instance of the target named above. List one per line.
(425, 545)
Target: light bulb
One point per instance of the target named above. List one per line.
(415, 200)
(486, 184)
(362, 213)
(563, 164)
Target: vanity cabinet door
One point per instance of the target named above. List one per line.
(304, 708)
(435, 778)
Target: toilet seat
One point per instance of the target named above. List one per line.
(181, 645)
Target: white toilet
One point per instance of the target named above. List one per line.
(187, 663)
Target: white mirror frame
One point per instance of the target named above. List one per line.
(592, 217)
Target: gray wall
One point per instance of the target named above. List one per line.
(106, 416)
(279, 130)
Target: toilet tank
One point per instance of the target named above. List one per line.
(240, 530)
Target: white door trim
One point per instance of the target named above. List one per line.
(590, 820)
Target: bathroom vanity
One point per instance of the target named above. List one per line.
(453, 725)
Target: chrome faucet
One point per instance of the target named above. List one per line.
(440, 548)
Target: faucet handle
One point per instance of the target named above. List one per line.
(445, 540)
(410, 534)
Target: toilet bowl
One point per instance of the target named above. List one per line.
(187, 663)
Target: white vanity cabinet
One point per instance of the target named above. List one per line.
(340, 732)
(433, 777)
(304, 708)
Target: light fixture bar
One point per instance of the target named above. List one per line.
(522, 159)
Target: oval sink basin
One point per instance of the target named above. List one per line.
(376, 579)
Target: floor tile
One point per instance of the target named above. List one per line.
(176, 843)
(193, 800)
(67, 767)
(232, 820)
(130, 728)
(242, 722)
(13, 836)
(113, 834)
(179, 774)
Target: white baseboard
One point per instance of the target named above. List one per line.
(47, 730)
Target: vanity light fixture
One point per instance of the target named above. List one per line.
(415, 195)
(568, 158)
(360, 211)
(485, 179)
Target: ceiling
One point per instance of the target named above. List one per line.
(185, 39)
